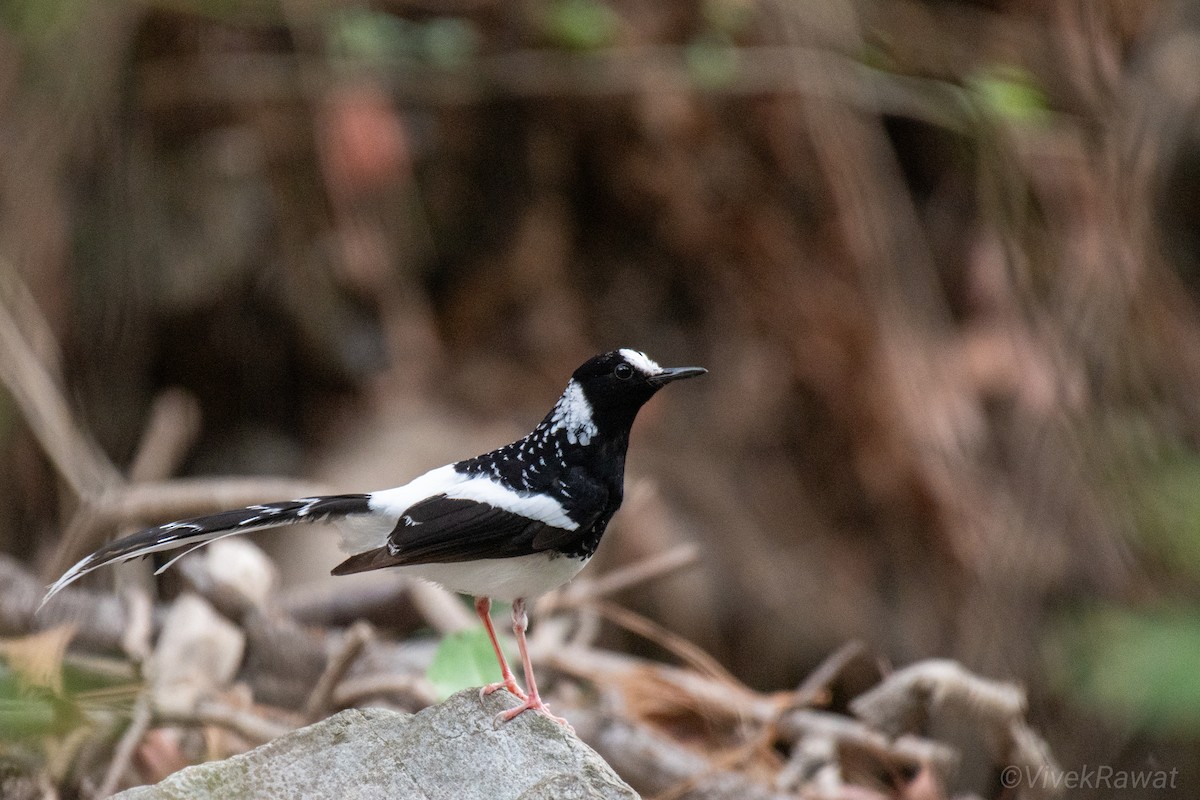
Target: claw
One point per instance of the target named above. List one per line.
(530, 704)
(510, 685)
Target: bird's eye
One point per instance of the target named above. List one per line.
(623, 371)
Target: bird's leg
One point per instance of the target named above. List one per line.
(483, 607)
(534, 700)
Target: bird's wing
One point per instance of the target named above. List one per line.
(445, 529)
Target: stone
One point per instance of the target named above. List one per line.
(197, 654)
(234, 574)
(451, 751)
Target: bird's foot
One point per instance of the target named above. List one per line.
(533, 703)
(509, 683)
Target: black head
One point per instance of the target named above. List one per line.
(604, 395)
(619, 382)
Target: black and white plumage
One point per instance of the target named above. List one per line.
(510, 524)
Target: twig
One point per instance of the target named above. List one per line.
(351, 648)
(23, 306)
(139, 723)
(108, 669)
(815, 686)
(621, 578)
(84, 526)
(907, 750)
(926, 687)
(414, 688)
(246, 724)
(75, 456)
(170, 431)
(579, 595)
(686, 650)
(716, 697)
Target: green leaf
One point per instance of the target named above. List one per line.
(29, 712)
(730, 17)
(1136, 667)
(35, 21)
(1009, 93)
(463, 660)
(371, 36)
(580, 24)
(712, 61)
(1167, 511)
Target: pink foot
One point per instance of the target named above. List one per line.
(509, 683)
(533, 703)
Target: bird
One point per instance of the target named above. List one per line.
(508, 525)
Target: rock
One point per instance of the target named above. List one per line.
(198, 653)
(451, 751)
(234, 574)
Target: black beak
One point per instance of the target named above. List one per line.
(669, 374)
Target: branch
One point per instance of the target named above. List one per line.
(415, 689)
(627, 576)
(76, 457)
(169, 434)
(250, 726)
(351, 648)
(661, 685)
(139, 723)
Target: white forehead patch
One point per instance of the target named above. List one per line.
(573, 414)
(640, 361)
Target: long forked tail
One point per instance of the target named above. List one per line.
(199, 531)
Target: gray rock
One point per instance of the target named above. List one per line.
(450, 751)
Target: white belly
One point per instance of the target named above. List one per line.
(502, 578)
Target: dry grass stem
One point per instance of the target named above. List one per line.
(626, 576)
(685, 650)
(123, 753)
(712, 697)
(170, 432)
(75, 456)
(250, 726)
(413, 690)
(353, 642)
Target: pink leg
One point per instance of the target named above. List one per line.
(534, 700)
(483, 607)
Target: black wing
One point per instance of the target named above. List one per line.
(446, 530)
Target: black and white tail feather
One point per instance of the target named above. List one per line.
(194, 533)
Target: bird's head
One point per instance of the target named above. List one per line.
(611, 387)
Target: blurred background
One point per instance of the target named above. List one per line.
(940, 257)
